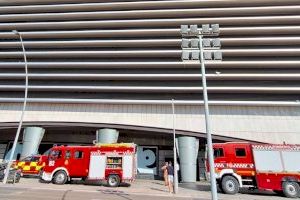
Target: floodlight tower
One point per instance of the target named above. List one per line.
(195, 47)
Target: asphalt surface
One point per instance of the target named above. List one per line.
(32, 189)
(14, 193)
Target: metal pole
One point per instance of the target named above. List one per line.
(174, 150)
(207, 123)
(23, 110)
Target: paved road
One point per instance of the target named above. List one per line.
(13, 193)
(31, 189)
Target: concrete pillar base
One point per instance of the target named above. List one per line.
(188, 151)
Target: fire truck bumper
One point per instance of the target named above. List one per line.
(46, 176)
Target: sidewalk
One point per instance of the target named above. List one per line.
(145, 187)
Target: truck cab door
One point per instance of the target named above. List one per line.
(242, 160)
(242, 154)
(77, 163)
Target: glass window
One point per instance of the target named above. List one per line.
(218, 152)
(55, 154)
(27, 159)
(240, 152)
(68, 154)
(78, 154)
(35, 159)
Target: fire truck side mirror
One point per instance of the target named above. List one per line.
(94, 141)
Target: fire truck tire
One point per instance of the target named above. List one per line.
(113, 180)
(60, 178)
(230, 185)
(40, 173)
(291, 189)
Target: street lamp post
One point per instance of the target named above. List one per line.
(174, 151)
(23, 110)
(193, 46)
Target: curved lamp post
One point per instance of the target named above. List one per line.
(23, 110)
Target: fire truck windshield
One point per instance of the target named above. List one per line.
(55, 154)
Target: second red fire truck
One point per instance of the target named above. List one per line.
(114, 163)
(262, 166)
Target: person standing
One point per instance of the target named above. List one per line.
(165, 173)
(170, 170)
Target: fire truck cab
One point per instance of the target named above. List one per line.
(115, 163)
(262, 166)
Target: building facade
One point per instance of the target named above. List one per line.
(116, 64)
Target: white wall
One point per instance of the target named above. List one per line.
(264, 124)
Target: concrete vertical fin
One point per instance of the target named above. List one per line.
(32, 137)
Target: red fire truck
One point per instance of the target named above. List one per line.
(115, 163)
(262, 166)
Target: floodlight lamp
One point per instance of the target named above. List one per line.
(184, 29)
(216, 42)
(194, 29)
(218, 55)
(195, 55)
(194, 43)
(205, 29)
(215, 28)
(206, 42)
(185, 55)
(207, 55)
(185, 43)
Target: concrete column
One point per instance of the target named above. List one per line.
(18, 150)
(107, 136)
(188, 151)
(32, 137)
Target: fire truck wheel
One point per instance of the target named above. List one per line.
(60, 178)
(230, 185)
(291, 189)
(41, 173)
(113, 180)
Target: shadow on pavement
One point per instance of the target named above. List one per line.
(157, 183)
(201, 187)
(115, 192)
(156, 189)
(258, 192)
(194, 186)
(97, 183)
